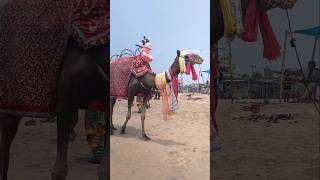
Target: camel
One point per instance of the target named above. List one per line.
(145, 84)
(80, 67)
(84, 77)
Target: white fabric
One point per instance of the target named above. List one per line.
(173, 103)
(237, 12)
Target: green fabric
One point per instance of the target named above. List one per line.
(95, 132)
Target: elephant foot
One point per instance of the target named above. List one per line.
(145, 137)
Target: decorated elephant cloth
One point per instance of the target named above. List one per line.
(32, 44)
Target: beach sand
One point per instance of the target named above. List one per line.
(285, 150)
(178, 149)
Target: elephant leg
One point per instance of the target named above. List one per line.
(8, 126)
(130, 101)
(112, 103)
(143, 117)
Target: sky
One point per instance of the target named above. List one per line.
(304, 15)
(168, 24)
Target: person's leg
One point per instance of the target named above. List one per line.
(95, 132)
(139, 103)
(310, 89)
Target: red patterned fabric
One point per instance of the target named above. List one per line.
(32, 43)
(120, 73)
(32, 40)
(91, 22)
(141, 67)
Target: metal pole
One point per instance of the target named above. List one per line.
(314, 48)
(283, 64)
(231, 73)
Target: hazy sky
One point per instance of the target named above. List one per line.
(169, 24)
(304, 15)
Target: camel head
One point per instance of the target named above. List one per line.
(191, 57)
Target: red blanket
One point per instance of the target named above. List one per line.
(32, 40)
(32, 43)
(120, 73)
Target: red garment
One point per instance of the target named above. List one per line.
(255, 18)
(194, 73)
(174, 83)
(98, 105)
(141, 63)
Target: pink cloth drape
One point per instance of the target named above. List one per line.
(254, 19)
(190, 67)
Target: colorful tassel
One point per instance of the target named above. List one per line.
(228, 19)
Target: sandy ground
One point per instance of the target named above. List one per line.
(179, 149)
(251, 150)
(33, 153)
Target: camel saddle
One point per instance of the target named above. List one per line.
(121, 71)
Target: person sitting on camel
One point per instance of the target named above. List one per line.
(141, 66)
(141, 63)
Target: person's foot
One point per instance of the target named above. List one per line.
(140, 110)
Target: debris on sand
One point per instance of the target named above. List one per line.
(254, 108)
(273, 118)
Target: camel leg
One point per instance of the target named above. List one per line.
(130, 101)
(8, 126)
(143, 117)
(64, 127)
(112, 103)
(103, 171)
(73, 134)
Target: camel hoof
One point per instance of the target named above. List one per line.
(145, 137)
(123, 131)
(73, 136)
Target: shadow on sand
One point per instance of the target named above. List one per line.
(132, 132)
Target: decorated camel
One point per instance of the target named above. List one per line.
(51, 64)
(130, 85)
